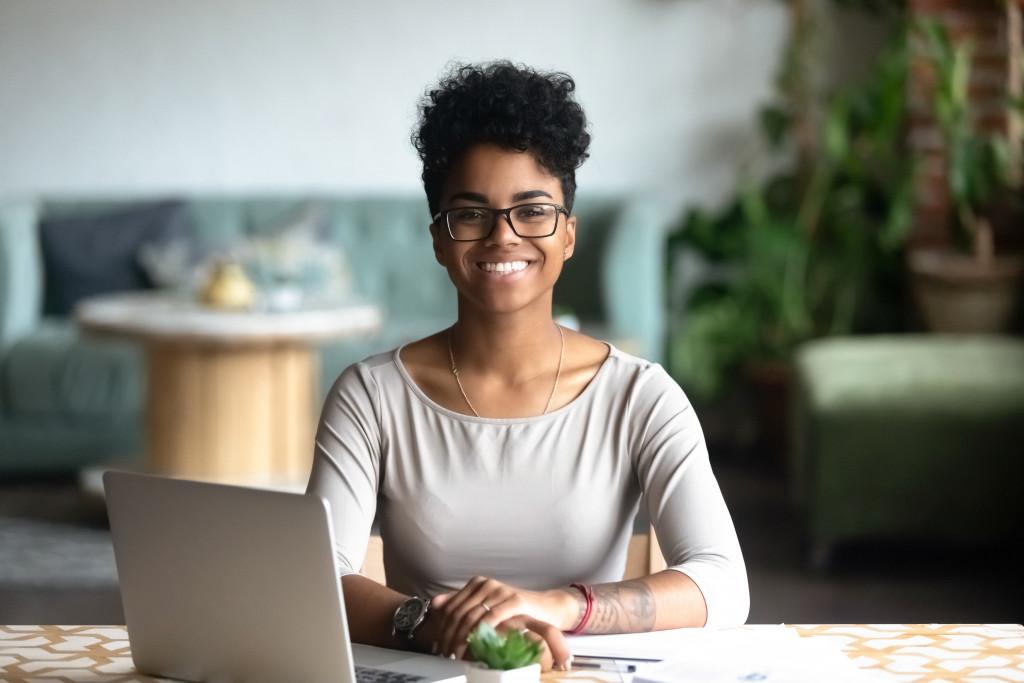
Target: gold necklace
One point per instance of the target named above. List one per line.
(554, 389)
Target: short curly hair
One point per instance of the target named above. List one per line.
(504, 104)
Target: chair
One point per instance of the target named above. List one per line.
(909, 437)
(643, 557)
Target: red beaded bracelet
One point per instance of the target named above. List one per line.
(588, 594)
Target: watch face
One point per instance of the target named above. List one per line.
(410, 614)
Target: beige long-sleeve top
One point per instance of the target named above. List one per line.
(536, 502)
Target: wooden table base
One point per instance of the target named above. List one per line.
(231, 413)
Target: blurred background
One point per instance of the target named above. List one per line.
(808, 210)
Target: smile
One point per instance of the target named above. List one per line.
(504, 268)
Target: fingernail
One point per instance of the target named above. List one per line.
(451, 656)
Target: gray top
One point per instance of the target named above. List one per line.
(535, 502)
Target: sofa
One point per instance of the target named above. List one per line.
(909, 437)
(68, 401)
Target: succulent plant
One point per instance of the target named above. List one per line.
(513, 650)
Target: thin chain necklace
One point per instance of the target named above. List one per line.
(554, 389)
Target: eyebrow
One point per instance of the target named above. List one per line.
(517, 197)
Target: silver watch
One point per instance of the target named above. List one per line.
(409, 615)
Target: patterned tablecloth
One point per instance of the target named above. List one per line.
(919, 653)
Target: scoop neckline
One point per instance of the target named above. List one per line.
(613, 352)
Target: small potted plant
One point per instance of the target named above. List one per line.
(508, 658)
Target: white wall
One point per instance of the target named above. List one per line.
(146, 96)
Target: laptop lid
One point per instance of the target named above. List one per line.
(231, 583)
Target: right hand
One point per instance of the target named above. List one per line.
(505, 607)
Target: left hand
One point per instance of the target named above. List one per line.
(488, 600)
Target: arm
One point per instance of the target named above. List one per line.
(375, 606)
(665, 600)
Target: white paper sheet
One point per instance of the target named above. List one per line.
(656, 645)
(762, 654)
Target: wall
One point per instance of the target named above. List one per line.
(114, 96)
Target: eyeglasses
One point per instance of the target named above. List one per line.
(471, 223)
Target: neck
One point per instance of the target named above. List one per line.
(505, 345)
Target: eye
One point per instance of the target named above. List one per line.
(533, 211)
(468, 214)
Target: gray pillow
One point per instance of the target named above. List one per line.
(96, 254)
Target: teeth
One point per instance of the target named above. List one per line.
(510, 267)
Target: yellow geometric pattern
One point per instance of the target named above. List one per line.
(66, 653)
(910, 653)
(931, 653)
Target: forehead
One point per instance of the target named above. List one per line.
(495, 174)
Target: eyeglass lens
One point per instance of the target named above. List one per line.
(528, 220)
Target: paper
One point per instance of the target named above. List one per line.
(762, 655)
(656, 645)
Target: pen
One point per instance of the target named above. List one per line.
(600, 664)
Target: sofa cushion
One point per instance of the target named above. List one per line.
(54, 371)
(20, 268)
(98, 253)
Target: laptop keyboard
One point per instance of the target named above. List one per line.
(367, 675)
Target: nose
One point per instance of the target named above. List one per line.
(502, 232)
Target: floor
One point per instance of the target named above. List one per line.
(868, 583)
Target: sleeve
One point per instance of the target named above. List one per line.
(685, 503)
(346, 462)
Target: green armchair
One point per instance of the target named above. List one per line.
(910, 437)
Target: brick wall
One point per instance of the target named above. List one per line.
(993, 28)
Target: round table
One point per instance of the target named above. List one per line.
(231, 396)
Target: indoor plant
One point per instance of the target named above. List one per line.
(807, 253)
(508, 658)
(969, 287)
(815, 251)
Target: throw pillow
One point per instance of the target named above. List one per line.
(87, 255)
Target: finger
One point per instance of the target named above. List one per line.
(553, 639)
(459, 614)
(494, 608)
(497, 595)
(554, 649)
(455, 612)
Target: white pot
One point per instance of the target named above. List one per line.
(477, 673)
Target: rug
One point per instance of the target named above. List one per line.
(53, 535)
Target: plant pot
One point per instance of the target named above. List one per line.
(478, 673)
(959, 293)
(771, 384)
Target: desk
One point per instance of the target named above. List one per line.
(910, 653)
(230, 395)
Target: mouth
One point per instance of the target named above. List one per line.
(503, 267)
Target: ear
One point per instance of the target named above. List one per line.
(570, 237)
(435, 237)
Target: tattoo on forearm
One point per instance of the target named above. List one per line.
(625, 607)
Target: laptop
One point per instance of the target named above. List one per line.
(230, 583)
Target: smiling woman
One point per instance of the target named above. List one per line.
(508, 416)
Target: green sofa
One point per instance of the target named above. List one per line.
(910, 437)
(68, 401)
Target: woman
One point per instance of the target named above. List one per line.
(505, 457)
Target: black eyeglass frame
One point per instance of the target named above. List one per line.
(507, 213)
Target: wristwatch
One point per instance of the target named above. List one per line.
(409, 615)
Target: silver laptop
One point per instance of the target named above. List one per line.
(229, 583)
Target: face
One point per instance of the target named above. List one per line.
(502, 272)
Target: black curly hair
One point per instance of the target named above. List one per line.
(508, 105)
